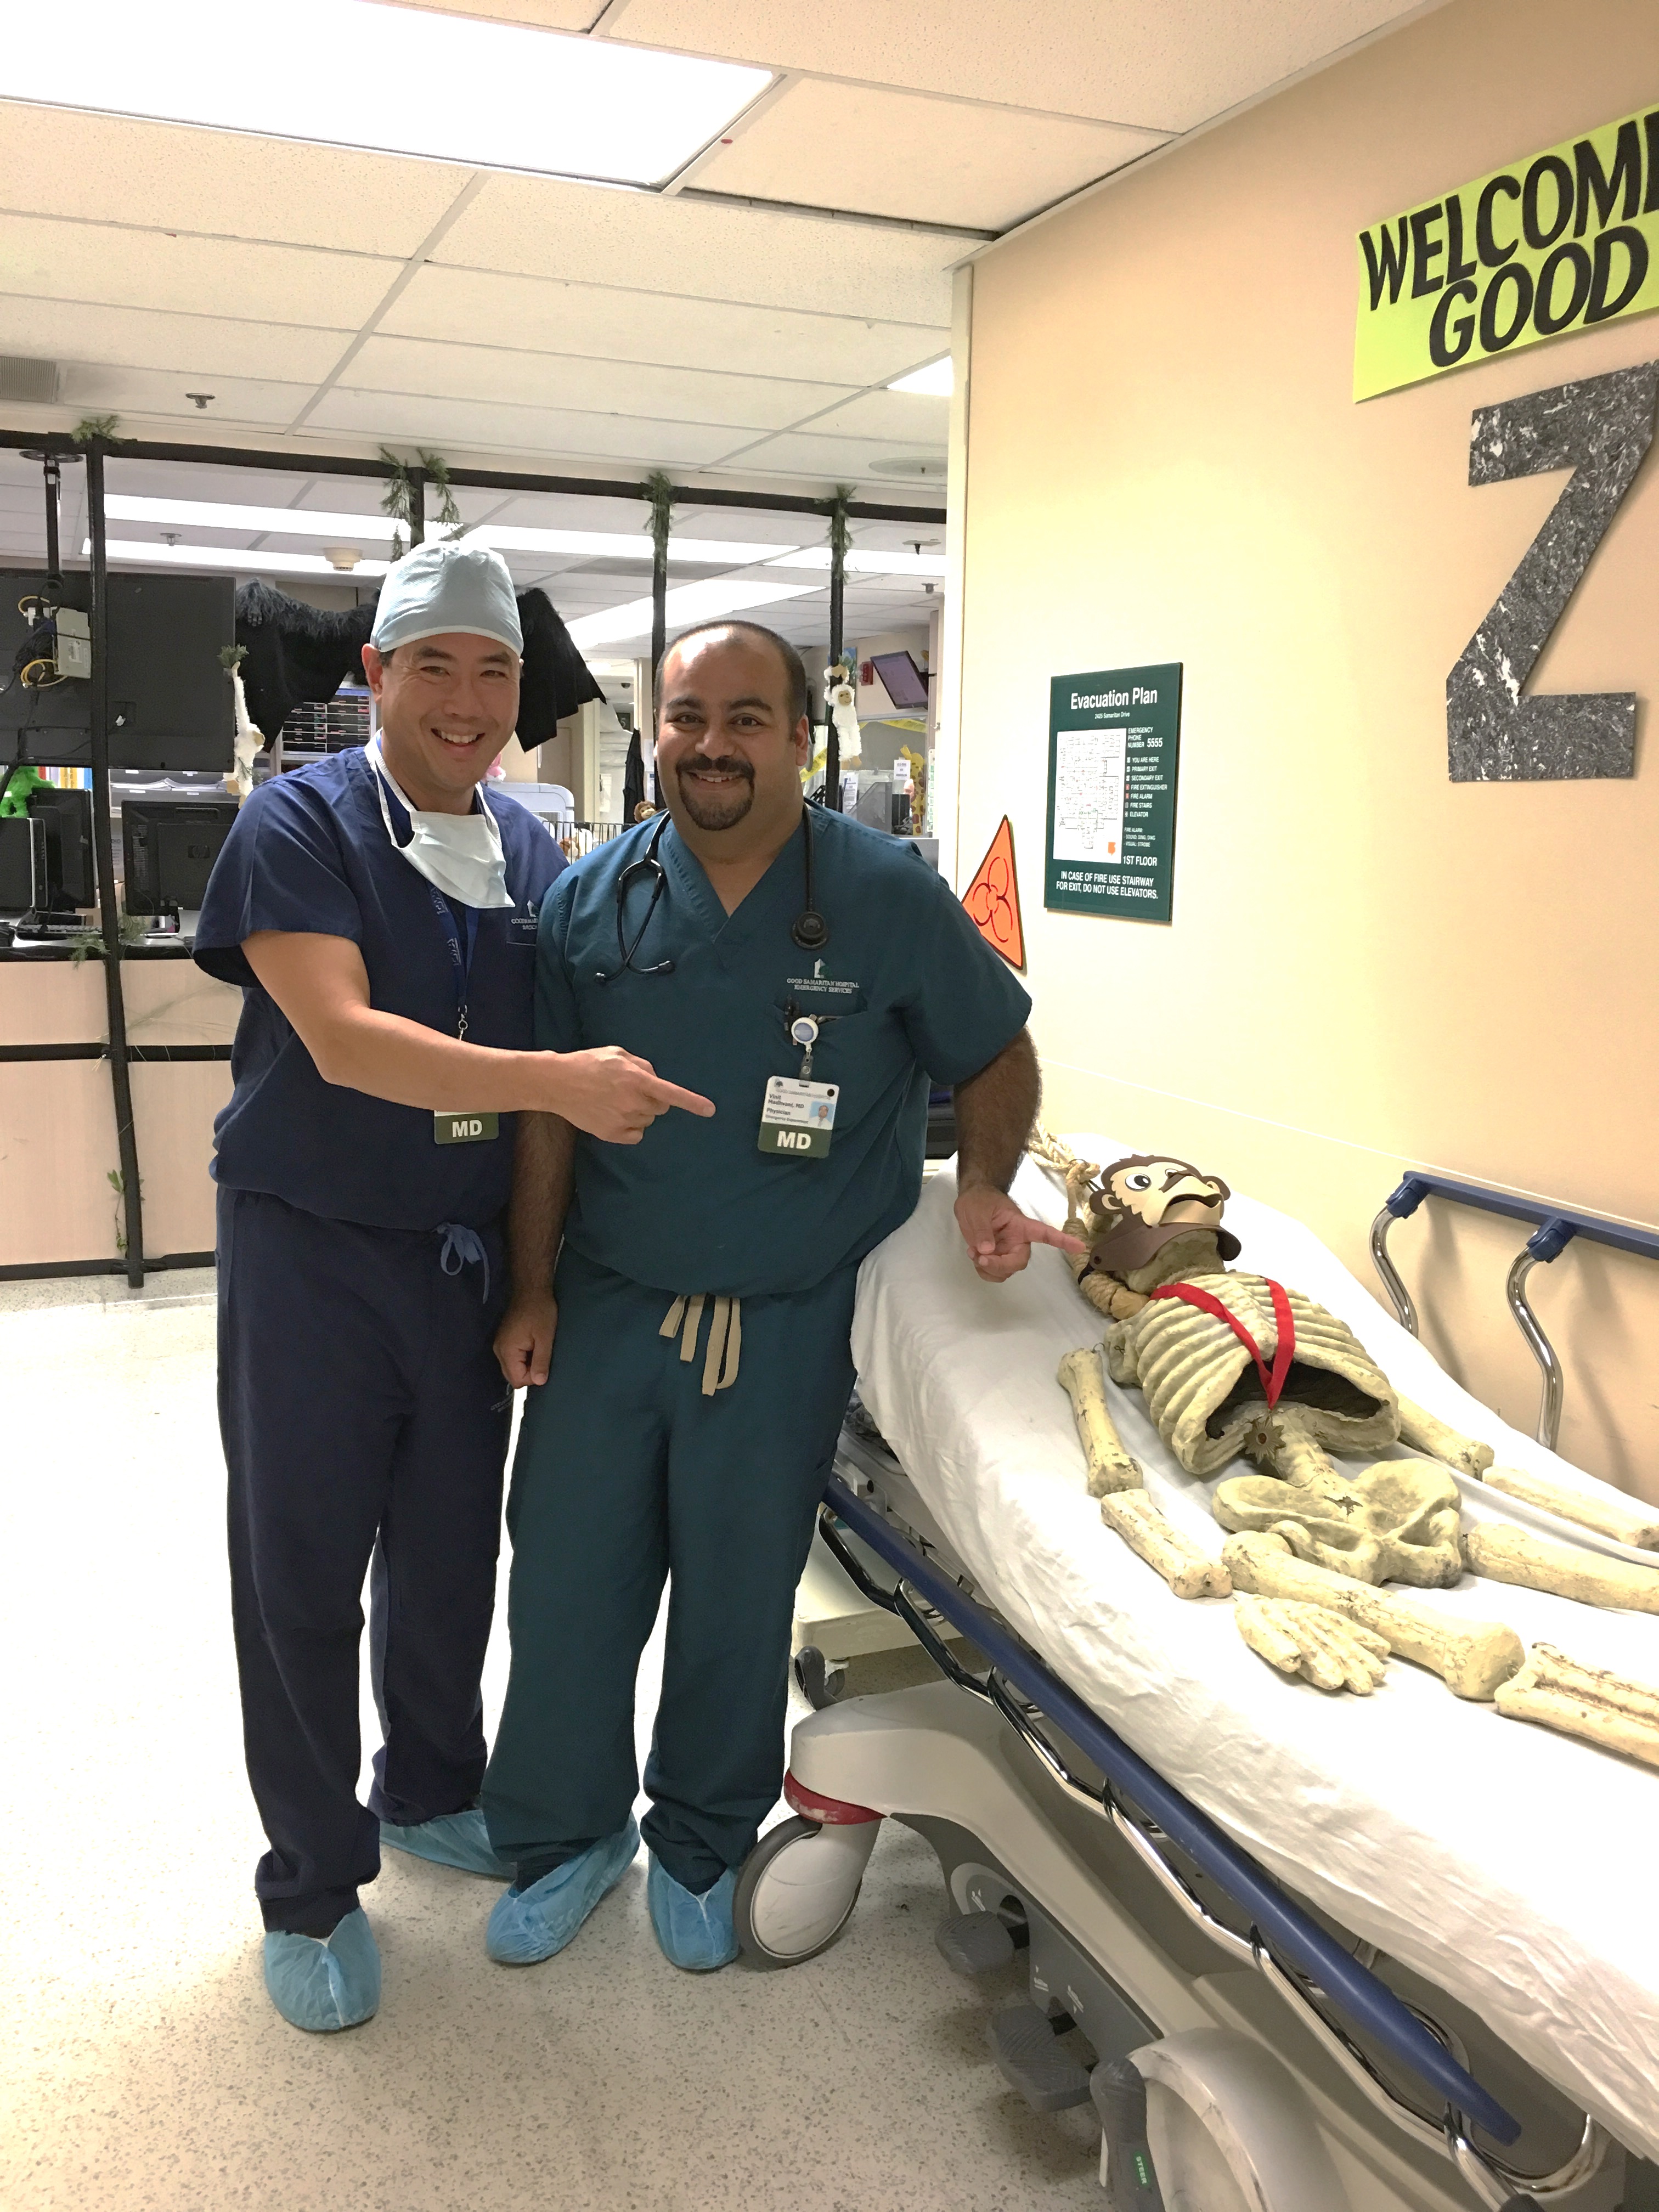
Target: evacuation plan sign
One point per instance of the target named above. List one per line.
(1114, 748)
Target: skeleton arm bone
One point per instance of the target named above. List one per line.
(1627, 1523)
(1110, 1467)
(1189, 1572)
(1512, 1555)
(1423, 1433)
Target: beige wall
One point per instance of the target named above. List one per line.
(1369, 966)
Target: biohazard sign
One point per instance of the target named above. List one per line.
(993, 899)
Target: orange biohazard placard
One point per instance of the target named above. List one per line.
(993, 899)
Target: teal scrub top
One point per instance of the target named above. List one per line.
(908, 994)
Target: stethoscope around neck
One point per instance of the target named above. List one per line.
(809, 930)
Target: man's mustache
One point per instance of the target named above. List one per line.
(732, 765)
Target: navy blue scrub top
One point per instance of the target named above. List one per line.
(907, 992)
(309, 852)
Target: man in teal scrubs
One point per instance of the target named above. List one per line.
(812, 977)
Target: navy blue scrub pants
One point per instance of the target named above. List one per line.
(359, 1399)
(627, 1476)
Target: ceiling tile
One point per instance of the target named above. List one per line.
(910, 155)
(1166, 65)
(542, 228)
(449, 423)
(539, 379)
(193, 345)
(545, 14)
(111, 170)
(910, 418)
(197, 276)
(841, 460)
(543, 315)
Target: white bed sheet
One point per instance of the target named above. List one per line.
(1510, 1865)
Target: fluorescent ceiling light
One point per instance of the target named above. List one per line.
(394, 80)
(232, 557)
(866, 564)
(377, 529)
(691, 602)
(935, 380)
(621, 545)
(285, 521)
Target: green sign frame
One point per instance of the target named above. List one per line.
(1113, 764)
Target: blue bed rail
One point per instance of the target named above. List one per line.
(1557, 1226)
(1282, 1924)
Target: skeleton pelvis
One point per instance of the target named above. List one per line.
(1396, 1522)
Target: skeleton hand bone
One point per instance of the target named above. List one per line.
(1324, 1649)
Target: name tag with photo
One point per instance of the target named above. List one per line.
(797, 1118)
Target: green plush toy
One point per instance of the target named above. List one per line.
(24, 780)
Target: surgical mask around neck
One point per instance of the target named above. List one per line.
(459, 853)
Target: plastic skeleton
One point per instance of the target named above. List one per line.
(1232, 1364)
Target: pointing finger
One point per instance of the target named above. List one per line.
(670, 1094)
(1038, 1232)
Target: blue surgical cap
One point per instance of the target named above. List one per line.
(446, 584)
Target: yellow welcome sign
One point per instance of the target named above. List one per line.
(1565, 241)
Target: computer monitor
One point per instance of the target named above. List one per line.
(170, 704)
(22, 863)
(66, 817)
(169, 847)
(902, 681)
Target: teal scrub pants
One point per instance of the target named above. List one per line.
(626, 1477)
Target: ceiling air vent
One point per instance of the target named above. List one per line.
(38, 381)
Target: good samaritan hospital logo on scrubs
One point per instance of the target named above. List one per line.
(817, 981)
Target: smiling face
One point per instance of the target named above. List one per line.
(448, 704)
(726, 752)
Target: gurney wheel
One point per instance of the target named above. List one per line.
(796, 1889)
(819, 1683)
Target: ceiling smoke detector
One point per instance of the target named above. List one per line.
(343, 557)
(930, 467)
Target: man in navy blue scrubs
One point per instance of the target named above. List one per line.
(380, 910)
(812, 977)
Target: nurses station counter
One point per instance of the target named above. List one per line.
(59, 1209)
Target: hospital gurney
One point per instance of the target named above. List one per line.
(1490, 1876)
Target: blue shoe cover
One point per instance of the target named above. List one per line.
(531, 1925)
(692, 1932)
(453, 1839)
(325, 1986)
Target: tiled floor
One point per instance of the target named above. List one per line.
(141, 2065)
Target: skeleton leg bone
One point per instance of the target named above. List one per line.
(1298, 1638)
(1584, 1701)
(1471, 1657)
(1189, 1572)
(1513, 1555)
(1110, 1467)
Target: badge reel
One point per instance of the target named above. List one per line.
(799, 1115)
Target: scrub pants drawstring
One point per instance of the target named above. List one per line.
(725, 1337)
(462, 1247)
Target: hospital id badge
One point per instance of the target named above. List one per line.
(798, 1117)
(464, 1128)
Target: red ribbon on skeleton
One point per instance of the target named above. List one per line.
(1274, 1385)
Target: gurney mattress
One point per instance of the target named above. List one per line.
(1510, 1865)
